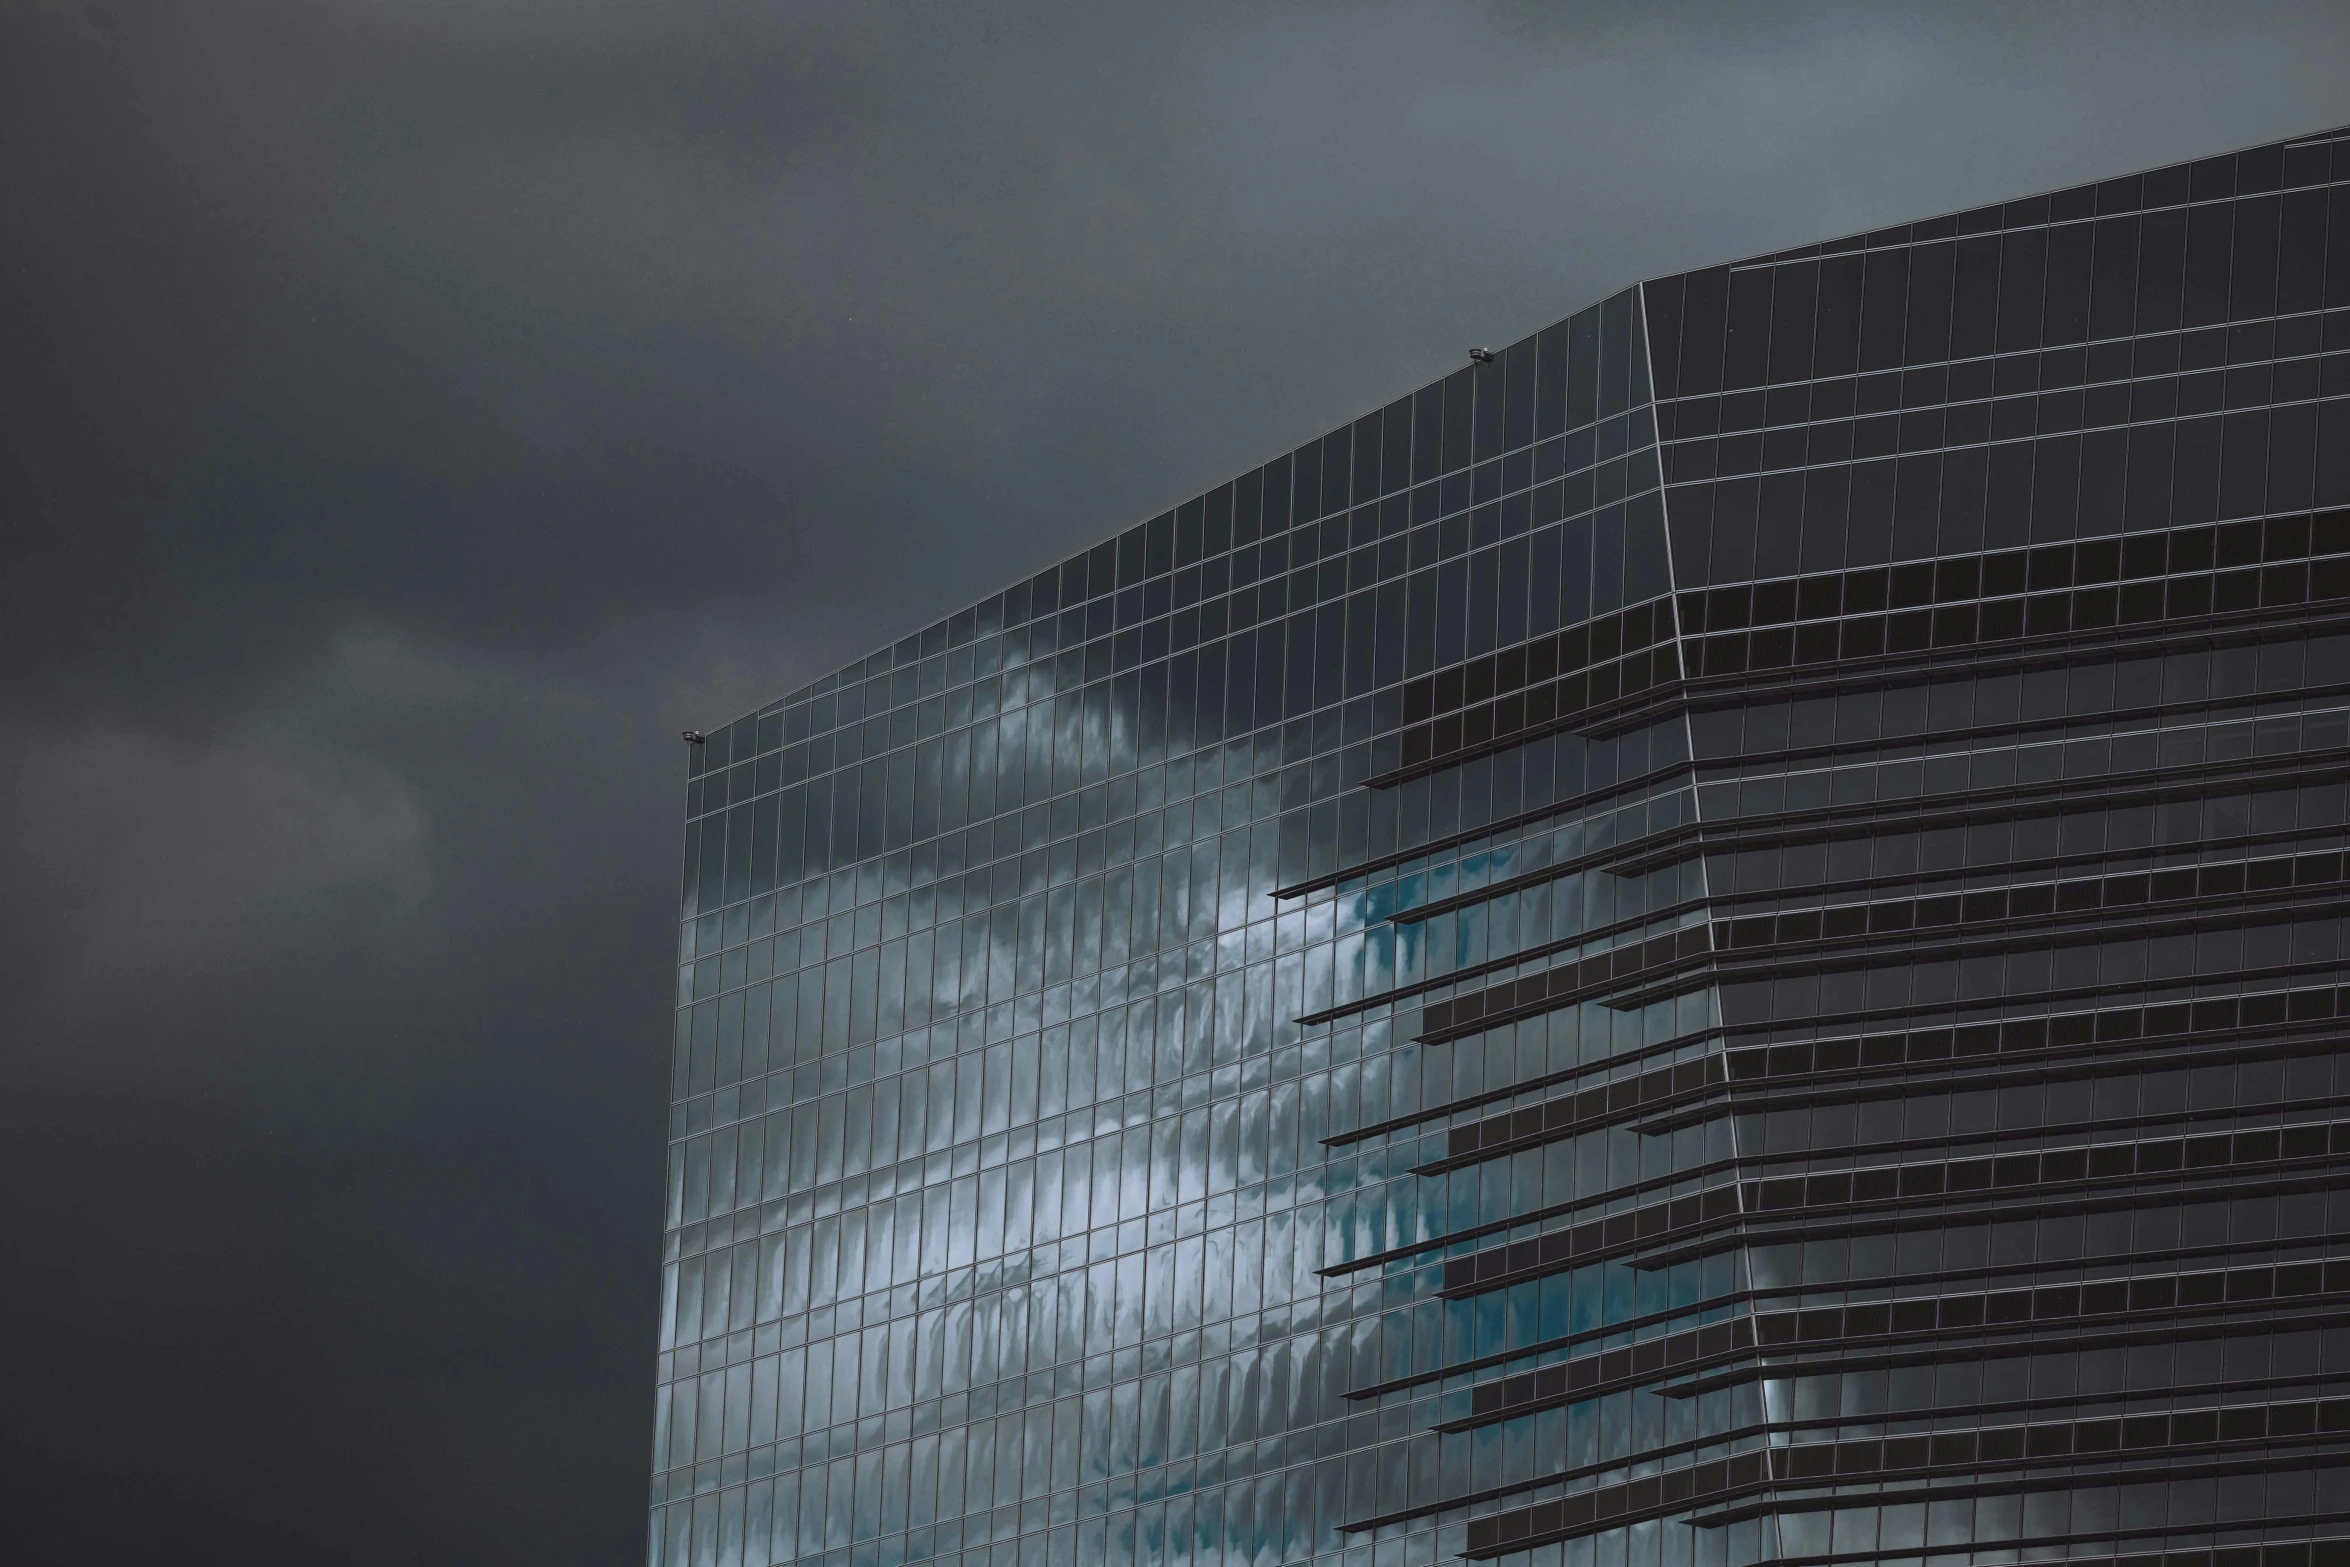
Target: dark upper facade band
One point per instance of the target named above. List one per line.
(1718, 940)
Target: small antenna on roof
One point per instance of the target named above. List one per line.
(1484, 356)
(696, 737)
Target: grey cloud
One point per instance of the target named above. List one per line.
(150, 857)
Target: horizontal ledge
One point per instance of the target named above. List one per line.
(1573, 804)
(1548, 949)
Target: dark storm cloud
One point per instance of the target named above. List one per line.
(412, 413)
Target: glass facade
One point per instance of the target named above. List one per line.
(1717, 940)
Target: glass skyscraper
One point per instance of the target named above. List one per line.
(1717, 939)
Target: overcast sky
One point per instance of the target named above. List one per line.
(414, 412)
